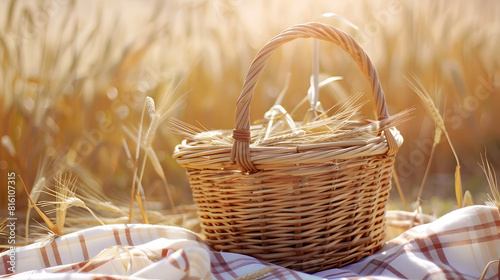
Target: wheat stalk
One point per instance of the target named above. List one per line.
(135, 167)
(438, 132)
(433, 111)
(257, 275)
(46, 219)
(169, 102)
(148, 139)
(35, 193)
(398, 187)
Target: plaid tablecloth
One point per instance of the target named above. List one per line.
(458, 245)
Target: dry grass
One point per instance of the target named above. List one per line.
(491, 176)
(73, 87)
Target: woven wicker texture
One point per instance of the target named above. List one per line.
(308, 206)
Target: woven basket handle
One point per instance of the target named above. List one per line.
(241, 134)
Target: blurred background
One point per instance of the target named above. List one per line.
(74, 78)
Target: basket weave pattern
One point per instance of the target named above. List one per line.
(307, 207)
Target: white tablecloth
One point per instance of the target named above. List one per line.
(458, 245)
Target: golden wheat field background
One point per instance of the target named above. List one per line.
(75, 77)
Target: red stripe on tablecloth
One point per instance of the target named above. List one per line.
(164, 252)
(184, 256)
(437, 246)
(278, 274)
(93, 265)
(223, 264)
(378, 266)
(485, 219)
(466, 240)
(45, 257)
(73, 267)
(423, 247)
(480, 227)
(338, 274)
(375, 266)
(490, 232)
(222, 268)
(6, 265)
(490, 225)
(89, 265)
(83, 245)
(174, 261)
(241, 261)
(88, 268)
(116, 234)
(55, 251)
(129, 237)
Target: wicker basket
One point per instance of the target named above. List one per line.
(306, 206)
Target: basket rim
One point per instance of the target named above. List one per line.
(204, 155)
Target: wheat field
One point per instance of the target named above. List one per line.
(83, 82)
